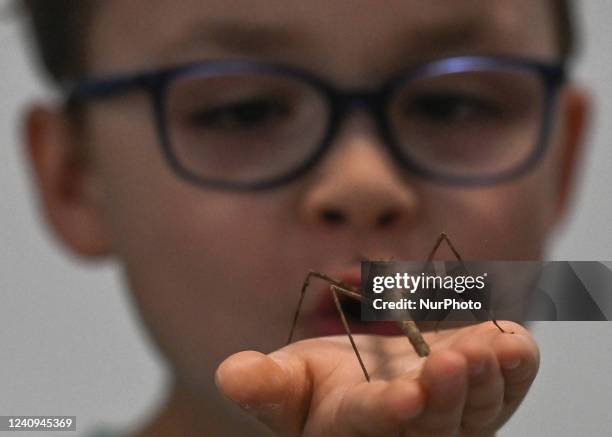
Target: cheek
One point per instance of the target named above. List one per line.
(206, 285)
(202, 266)
(509, 221)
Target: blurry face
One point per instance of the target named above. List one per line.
(215, 272)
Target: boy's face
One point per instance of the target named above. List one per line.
(214, 272)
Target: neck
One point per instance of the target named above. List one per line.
(188, 415)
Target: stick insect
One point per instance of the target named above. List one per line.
(338, 288)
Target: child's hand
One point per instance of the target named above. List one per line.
(472, 382)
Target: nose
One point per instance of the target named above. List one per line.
(358, 185)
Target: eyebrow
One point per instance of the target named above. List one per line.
(446, 35)
(424, 40)
(238, 37)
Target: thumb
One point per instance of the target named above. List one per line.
(273, 388)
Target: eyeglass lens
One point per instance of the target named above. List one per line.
(248, 127)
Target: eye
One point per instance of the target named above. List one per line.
(246, 114)
(450, 107)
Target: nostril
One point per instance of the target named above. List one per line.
(333, 216)
(387, 219)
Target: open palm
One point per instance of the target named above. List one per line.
(470, 384)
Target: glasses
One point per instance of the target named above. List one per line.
(243, 125)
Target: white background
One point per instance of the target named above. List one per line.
(69, 344)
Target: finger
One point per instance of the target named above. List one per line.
(273, 388)
(378, 408)
(444, 380)
(489, 331)
(519, 359)
(485, 394)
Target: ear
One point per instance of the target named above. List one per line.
(573, 118)
(69, 194)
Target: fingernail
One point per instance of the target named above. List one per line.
(218, 378)
(511, 365)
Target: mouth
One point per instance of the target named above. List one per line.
(326, 320)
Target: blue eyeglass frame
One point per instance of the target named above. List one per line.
(341, 102)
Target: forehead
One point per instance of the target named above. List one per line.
(144, 33)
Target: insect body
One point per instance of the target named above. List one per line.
(339, 288)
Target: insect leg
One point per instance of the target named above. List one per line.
(335, 290)
(354, 292)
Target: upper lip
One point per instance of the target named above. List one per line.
(325, 303)
(324, 317)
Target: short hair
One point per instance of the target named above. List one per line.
(60, 29)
